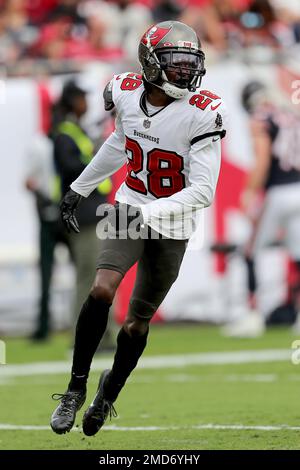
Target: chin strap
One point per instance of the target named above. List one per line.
(173, 91)
(170, 89)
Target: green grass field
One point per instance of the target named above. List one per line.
(171, 406)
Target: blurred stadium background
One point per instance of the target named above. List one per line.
(42, 45)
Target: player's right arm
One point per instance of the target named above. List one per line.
(109, 159)
(204, 159)
(111, 156)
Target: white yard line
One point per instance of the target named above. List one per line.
(217, 427)
(153, 362)
(201, 378)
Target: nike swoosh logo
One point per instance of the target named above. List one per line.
(215, 140)
(214, 107)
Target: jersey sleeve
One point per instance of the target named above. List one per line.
(209, 123)
(204, 172)
(120, 86)
(111, 93)
(109, 159)
(205, 160)
(108, 97)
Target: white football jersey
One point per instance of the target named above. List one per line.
(172, 155)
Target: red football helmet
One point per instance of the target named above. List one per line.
(171, 58)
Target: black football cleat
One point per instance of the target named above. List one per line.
(97, 413)
(63, 417)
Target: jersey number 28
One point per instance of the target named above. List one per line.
(164, 168)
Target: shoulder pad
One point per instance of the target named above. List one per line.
(107, 96)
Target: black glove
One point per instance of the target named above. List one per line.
(68, 208)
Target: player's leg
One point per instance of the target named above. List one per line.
(251, 281)
(252, 323)
(116, 257)
(86, 248)
(91, 324)
(157, 270)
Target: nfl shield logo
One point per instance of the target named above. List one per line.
(218, 121)
(146, 123)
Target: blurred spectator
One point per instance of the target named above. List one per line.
(15, 14)
(208, 18)
(66, 9)
(73, 150)
(166, 10)
(92, 46)
(16, 34)
(83, 30)
(9, 49)
(259, 25)
(288, 12)
(42, 182)
(52, 41)
(276, 176)
(38, 10)
(58, 40)
(125, 21)
(242, 23)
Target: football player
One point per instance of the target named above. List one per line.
(275, 131)
(169, 132)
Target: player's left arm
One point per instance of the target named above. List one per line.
(204, 171)
(205, 161)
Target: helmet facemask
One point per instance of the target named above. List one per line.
(171, 58)
(183, 70)
(174, 71)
